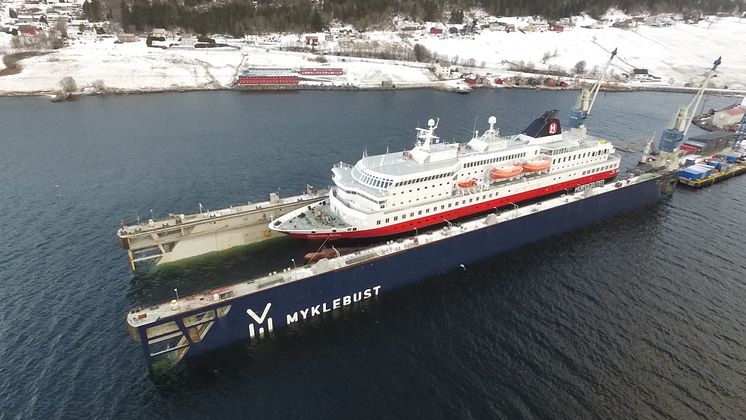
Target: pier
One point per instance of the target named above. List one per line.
(181, 236)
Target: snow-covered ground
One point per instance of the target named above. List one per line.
(133, 67)
(681, 52)
(678, 54)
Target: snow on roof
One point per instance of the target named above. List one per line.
(734, 111)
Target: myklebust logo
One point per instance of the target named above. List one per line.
(260, 319)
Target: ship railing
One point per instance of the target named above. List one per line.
(566, 149)
(342, 165)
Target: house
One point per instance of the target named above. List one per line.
(27, 31)
(509, 27)
(436, 31)
(642, 75)
(321, 71)
(268, 79)
(312, 40)
(443, 72)
(728, 117)
(158, 33)
(122, 38)
(558, 28)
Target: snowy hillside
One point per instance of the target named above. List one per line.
(677, 54)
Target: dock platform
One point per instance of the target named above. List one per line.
(181, 236)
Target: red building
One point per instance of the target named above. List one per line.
(436, 31)
(321, 71)
(558, 28)
(268, 79)
(27, 30)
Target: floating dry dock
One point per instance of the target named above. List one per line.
(172, 331)
(180, 236)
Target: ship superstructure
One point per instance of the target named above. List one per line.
(437, 182)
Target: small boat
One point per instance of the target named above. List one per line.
(506, 171)
(537, 164)
(468, 184)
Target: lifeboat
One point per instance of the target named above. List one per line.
(507, 171)
(468, 184)
(537, 164)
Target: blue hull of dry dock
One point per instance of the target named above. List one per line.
(290, 304)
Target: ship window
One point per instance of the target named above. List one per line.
(378, 222)
(411, 214)
(471, 199)
(404, 216)
(442, 207)
(396, 218)
(387, 220)
(427, 210)
(435, 208)
(449, 205)
(419, 212)
(463, 202)
(383, 206)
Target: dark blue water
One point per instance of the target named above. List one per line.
(639, 317)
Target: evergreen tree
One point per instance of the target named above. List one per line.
(316, 24)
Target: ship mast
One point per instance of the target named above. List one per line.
(425, 135)
(588, 98)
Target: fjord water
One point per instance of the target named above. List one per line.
(642, 316)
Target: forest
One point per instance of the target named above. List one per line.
(239, 17)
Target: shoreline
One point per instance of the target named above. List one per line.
(438, 85)
(434, 85)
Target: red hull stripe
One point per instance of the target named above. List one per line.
(454, 214)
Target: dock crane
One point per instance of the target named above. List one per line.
(672, 137)
(588, 98)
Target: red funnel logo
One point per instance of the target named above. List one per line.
(553, 127)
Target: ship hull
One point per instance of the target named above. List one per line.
(452, 215)
(267, 311)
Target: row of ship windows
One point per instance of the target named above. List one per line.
(427, 178)
(427, 211)
(593, 171)
(370, 180)
(493, 160)
(579, 156)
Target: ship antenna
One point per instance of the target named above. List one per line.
(474, 130)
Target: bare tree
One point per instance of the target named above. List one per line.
(68, 85)
(61, 26)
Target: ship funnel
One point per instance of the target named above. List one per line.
(546, 125)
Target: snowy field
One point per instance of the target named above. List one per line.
(681, 52)
(678, 54)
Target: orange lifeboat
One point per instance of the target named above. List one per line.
(468, 184)
(507, 171)
(537, 164)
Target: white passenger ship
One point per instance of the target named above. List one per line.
(438, 182)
